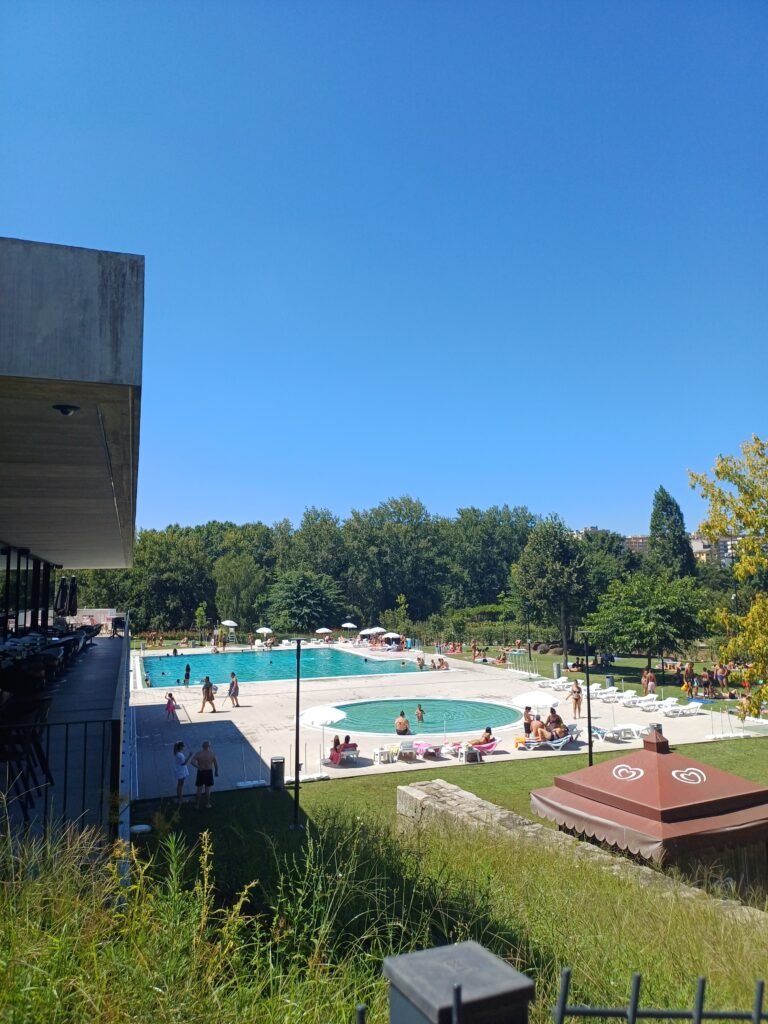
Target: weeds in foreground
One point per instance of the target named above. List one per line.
(82, 938)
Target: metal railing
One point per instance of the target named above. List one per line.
(632, 1011)
(467, 981)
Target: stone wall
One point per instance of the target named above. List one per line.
(441, 803)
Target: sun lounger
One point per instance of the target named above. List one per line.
(425, 749)
(474, 752)
(608, 694)
(680, 710)
(556, 744)
(406, 751)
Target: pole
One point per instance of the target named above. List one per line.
(589, 703)
(296, 823)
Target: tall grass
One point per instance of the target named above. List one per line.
(80, 940)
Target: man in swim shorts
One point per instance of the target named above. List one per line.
(205, 762)
(402, 725)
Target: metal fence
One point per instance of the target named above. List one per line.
(466, 982)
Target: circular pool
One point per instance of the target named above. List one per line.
(441, 716)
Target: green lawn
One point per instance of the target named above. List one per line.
(242, 821)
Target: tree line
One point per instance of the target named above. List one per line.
(499, 569)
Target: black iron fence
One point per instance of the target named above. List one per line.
(58, 772)
(466, 983)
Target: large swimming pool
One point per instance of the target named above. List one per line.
(442, 716)
(267, 666)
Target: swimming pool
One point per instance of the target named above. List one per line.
(441, 716)
(267, 666)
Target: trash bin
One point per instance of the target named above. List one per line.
(277, 773)
(609, 681)
(557, 670)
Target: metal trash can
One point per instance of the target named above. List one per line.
(277, 773)
(557, 670)
(609, 681)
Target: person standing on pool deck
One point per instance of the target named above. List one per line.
(208, 693)
(234, 690)
(180, 762)
(402, 725)
(205, 762)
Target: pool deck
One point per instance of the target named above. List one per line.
(245, 738)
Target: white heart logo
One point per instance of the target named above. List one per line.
(693, 776)
(626, 773)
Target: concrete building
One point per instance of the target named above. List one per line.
(71, 334)
(637, 544)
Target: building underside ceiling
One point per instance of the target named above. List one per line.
(68, 483)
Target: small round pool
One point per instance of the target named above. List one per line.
(441, 716)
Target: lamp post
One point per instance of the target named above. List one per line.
(585, 636)
(297, 763)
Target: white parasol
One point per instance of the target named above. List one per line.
(348, 625)
(322, 715)
(323, 629)
(377, 629)
(264, 630)
(230, 623)
(389, 636)
(536, 700)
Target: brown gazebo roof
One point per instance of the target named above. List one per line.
(656, 803)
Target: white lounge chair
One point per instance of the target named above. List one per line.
(649, 703)
(680, 710)
(668, 702)
(626, 732)
(407, 752)
(630, 699)
(608, 694)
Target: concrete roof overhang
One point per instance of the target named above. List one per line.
(68, 490)
(71, 326)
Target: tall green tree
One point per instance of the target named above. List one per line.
(394, 548)
(318, 544)
(606, 558)
(302, 601)
(548, 583)
(737, 495)
(653, 614)
(669, 549)
(239, 584)
(171, 575)
(482, 544)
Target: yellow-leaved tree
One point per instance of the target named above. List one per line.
(737, 493)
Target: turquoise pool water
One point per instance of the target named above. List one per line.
(266, 666)
(441, 716)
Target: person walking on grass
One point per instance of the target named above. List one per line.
(180, 762)
(205, 762)
(208, 695)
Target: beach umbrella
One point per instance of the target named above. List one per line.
(348, 625)
(389, 636)
(323, 629)
(365, 632)
(536, 700)
(264, 630)
(72, 597)
(322, 715)
(230, 623)
(62, 597)
(378, 629)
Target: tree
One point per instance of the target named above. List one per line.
(669, 549)
(548, 583)
(737, 495)
(482, 544)
(239, 582)
(318, 544)
(652, 614)
(394, 549)
(301, 601)
(606, 558)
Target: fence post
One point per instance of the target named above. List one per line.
(422, 986)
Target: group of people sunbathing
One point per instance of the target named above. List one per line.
(554, 728)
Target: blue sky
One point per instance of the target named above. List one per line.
(476, 253)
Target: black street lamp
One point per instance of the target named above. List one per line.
(297, 763)
(585, 636)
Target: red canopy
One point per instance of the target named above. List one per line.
(657, 804)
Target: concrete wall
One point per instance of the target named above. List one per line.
(70, 314)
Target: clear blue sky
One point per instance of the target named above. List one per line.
(476, 253)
